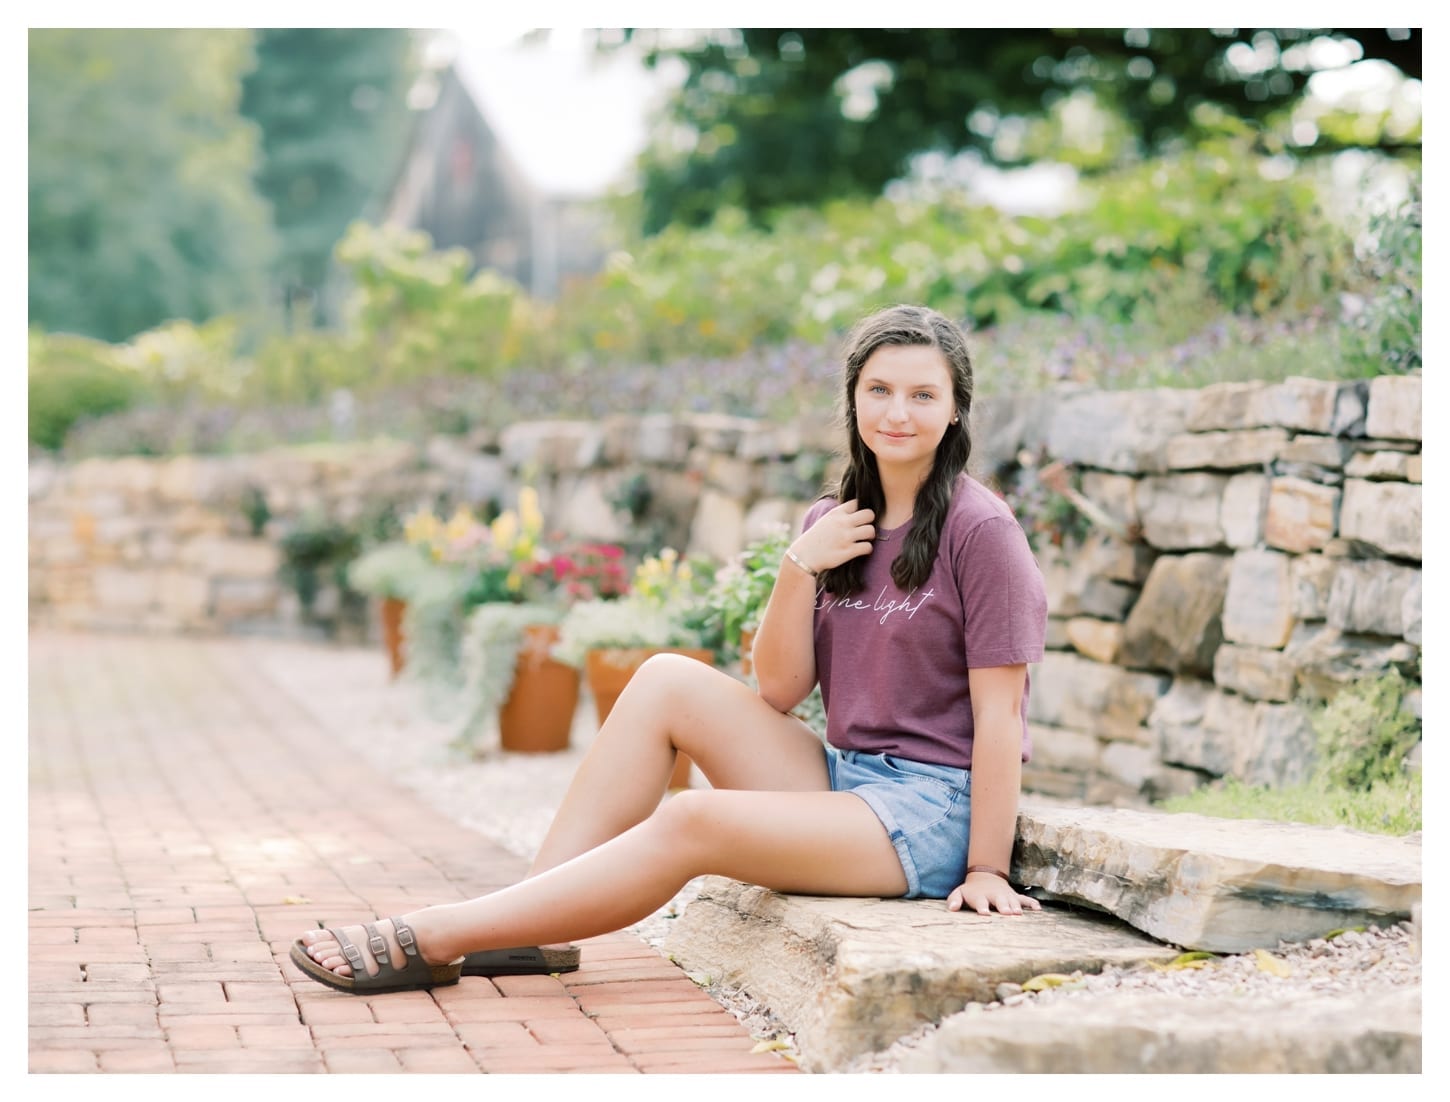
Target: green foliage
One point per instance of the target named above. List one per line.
(255, 508)
(141, 205)
(1360, 777)
(432, 638)
(1364, 734)
(183, 360)
(390, 569)
(742, 587)
(303, 366)
(628, 622)
(72, 378)
(1048, 517)
(316, 549)
(1390, 270)
(331, 106)
(419, 313)
(1172, 243)
(768, 117)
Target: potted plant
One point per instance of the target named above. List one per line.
(736, 601)
(315, 552)
(513, 593)
(389, 572)
(663, 613)
(741, 588)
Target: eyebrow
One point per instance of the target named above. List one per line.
(876, 380)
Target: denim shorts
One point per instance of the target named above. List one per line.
(925, 808)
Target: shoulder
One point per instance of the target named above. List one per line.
(980, 522)
(974, 504)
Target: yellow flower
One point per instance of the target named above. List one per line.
(459, 525)
(505, 528)
(529, 512)
(421, 528)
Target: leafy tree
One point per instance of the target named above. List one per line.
(141, 205)
(770, 117)
(331, 104)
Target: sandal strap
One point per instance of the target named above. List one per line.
(378, 946)
(405, 936)
(350, 951)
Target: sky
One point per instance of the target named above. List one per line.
(573, 119)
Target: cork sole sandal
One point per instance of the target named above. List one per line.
(415, 975)
(527, 960)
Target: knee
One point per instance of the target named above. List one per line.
(667, 674)
(686, 818)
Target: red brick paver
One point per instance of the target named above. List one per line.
(189, 816)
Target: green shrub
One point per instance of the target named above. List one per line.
(316, 550)
(1360, 776)
(1385, 333)
(71, 379)
(1363, 734)
(418, 312)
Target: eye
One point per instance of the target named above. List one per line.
(878, 389)
(926, 394)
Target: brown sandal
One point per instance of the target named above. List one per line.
(527, 960)
(415, 975)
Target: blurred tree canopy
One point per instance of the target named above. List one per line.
(186, 174)
(775, 117)
(331, 104)
(141, 204)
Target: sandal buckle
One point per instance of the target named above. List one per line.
(405, 938)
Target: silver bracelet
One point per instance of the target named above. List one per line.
(793, 557)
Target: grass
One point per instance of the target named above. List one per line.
(1386, 807)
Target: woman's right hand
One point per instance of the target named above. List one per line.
(844, 533)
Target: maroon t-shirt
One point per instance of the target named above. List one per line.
(893, 665)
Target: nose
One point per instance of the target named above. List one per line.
(897, 410)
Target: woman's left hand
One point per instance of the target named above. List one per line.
(984, 892)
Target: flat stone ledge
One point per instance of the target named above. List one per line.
(1223, 885)
(1168, 1034)
(852, 976)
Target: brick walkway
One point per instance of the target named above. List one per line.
(187, 821)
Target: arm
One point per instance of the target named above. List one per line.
(996, 783)
(785, 653)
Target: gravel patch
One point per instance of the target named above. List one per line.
(1354, 963)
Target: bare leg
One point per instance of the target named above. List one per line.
(820, 843)
(675, 704)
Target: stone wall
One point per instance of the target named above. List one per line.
(1267, 547)
(1272, 554)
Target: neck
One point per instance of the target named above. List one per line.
(899, 486)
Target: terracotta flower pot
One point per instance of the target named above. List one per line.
(747, 646)
(391, 611)
(539, 712)
(609, 670)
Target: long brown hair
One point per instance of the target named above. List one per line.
(861, 479)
